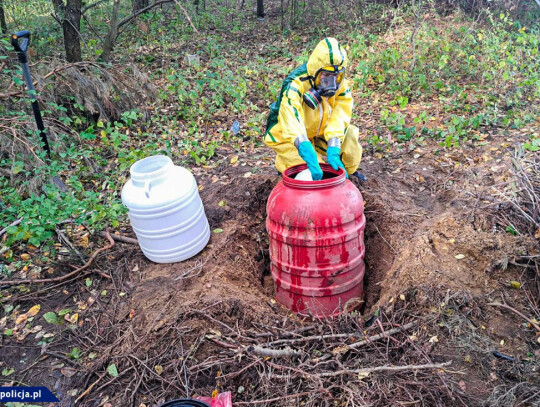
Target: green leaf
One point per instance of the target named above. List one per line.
(11, 230)
(75, 353)
(8, 332)
(218, 230)
(7, 371)
(112, 370)
(50, 317)
(64, 312)
(88, 282)
(510, 229)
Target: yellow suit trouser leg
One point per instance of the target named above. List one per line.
(351, 150)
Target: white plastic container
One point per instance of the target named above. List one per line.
(165, 210)
(304, 175)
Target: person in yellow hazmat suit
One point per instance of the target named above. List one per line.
(312, 115)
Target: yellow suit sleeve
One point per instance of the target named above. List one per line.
(340, 117)
(291, 115)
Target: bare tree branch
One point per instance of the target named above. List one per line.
(187, 16)
(141, 11)
(84, 10)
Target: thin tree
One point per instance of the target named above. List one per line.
(260, 8)
(3, 18)
(68, 14)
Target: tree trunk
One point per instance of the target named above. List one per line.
(69, 16)
(3, 18)
(110, 41)
(139, 5)
(72, 27)
(260, 8)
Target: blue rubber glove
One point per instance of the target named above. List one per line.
(332, 154)
(308, 154)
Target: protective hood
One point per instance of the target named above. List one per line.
(328, 52)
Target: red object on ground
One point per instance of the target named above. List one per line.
(221, 400)
(316, 232)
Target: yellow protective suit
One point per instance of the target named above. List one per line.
(290, 117)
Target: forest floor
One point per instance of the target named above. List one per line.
(451, 298)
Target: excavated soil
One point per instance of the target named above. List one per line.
(231, 270)
(428, 235)
(422, 227)
(433, 252)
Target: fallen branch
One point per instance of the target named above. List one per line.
(356, 345)
(63, 237)
(122, 239)
(289, 396)
(273, 353)
(530, 321)
(221, 343)
(89, 389)
(11, 224)
(368, 370)
(65, 277)
(365, 372)
(258, 350)
(54, 72)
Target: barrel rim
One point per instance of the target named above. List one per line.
(289, 174)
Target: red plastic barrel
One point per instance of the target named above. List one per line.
(316, 233)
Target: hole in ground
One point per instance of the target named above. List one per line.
(235, 266)
(379, 255)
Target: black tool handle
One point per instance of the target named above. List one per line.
(22, 46)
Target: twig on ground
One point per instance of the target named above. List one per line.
(54, 72)
(63, 237)
(64, 277)
(123, 239)
(89, 389)
(289, 396)
(368, 370)
(356, 345)
(273, 353)
(530, 321)
(18, 221)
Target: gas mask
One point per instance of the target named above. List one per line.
(327, 81)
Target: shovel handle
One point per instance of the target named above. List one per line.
(24, 36)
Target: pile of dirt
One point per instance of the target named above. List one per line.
(230, 269)
(434, 264)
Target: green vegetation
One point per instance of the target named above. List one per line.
(456, 75)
